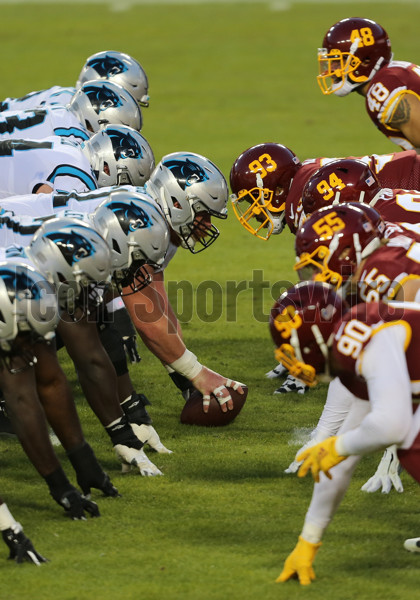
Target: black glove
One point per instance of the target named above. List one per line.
(123, 324)
(183, 384)
(89, 472)
(76, 505)
(130, 347)
(21, 548)
(68, 497)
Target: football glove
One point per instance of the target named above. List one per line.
(148, 435)
(386, 475)
(137, 458)
(299, 563)
(77, 506)
(412, 545)
(89, 472)
(321, 457)
(183, 384)
(130, 347)
(124, 325)
(278, 371)
(291, 384)
(20, 547)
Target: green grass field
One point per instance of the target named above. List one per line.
(221, 521)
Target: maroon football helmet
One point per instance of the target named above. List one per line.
(353, 51)
(343, 180)
(301, 324)
(373, 215)
(260, 180)
(332, 242)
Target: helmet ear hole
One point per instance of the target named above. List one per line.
(116, 246)
(175, 202)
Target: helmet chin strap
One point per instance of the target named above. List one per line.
(354, 46)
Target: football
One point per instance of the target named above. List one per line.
(193, 414)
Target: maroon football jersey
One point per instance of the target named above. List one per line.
(385, 90)
(398, 206)
(354, 332)
(397, 170)
(387, 268)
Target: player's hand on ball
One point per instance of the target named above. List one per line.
(209, 383)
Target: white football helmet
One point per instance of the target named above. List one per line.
(119, 155)
(136, 232)
(28, 305)
(100, 103)
(120, 68)
(75, 259)
(184, 185)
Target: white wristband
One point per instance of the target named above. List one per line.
(6, 519)
(115, 304)
(187, 365)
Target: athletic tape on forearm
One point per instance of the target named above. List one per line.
(187, 365)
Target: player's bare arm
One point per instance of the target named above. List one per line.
(148, 312)
(406, 118)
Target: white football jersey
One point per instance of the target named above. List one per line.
(52, 95)
(25, 165)
(18, 230)
(40, 123)
(16, 252)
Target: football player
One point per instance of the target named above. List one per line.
(108, 65)
(190, 190)
(115, 155)
(368, 260)
(67, 250)
(20, 547)
(92, 107)
(351, 180)
(34, 387)
(356, 57)
(341, 245)
(372, 348)
(267, 182)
